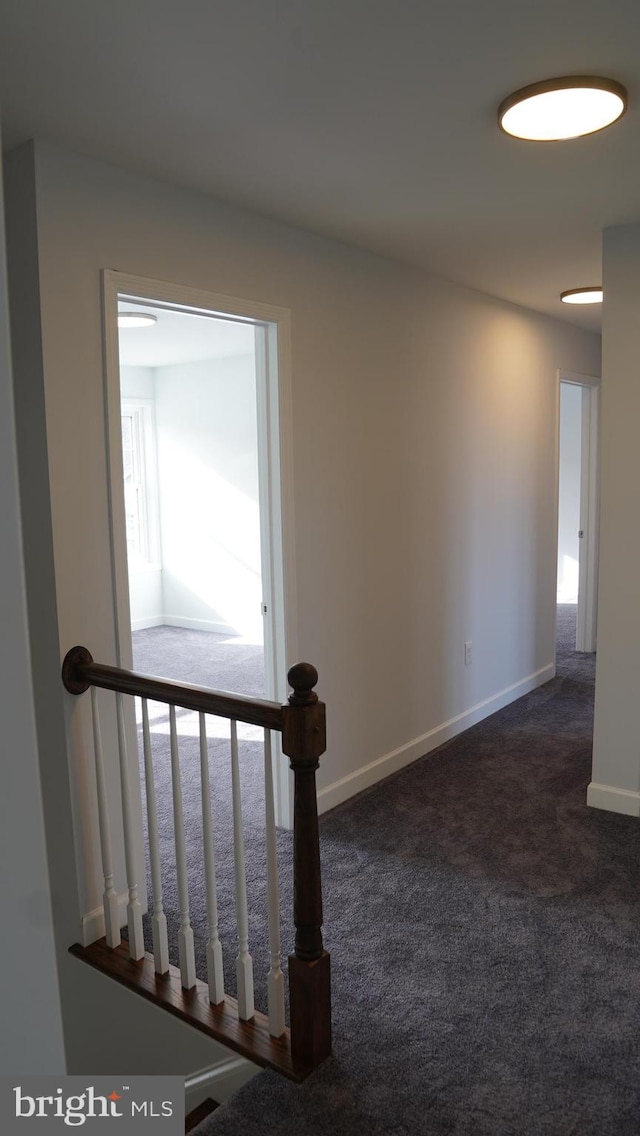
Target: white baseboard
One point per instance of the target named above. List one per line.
(199, 624)
(218, 1081)
(150, 621)
(613, 800)
(181, 621)
(368, 775)
(93, 922)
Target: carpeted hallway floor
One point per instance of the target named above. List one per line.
(484, 927)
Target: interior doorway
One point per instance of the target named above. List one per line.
(188, 388)
(578, 506)
(197, 442)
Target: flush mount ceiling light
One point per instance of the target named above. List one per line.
(568, 107)
(136, 319)
(582, 296)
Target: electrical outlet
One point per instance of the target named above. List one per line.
(467, 653)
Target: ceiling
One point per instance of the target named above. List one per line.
(372, 121)
(180, 337)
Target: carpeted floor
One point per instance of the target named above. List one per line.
(201, 657)
(484, 927)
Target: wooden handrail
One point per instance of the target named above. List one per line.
(302, 724)
(79, 672)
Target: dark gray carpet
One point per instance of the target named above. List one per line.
(484, 927)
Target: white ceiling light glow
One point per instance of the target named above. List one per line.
(556, 109)
(582, 296)
(136, 319)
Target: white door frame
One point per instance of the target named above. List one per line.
(587, 608)
(275, 463)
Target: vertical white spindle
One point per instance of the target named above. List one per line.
(110, 897)
(244, 962)
(159, 921)
(134, 910)
(275, 979)
(214, 947)
(185, 934)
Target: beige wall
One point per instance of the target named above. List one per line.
(424, 419)
(616, 756)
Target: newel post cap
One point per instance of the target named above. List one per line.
(304, 731)
(303, 677)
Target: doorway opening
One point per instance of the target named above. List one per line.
(578, 513)
(198, 435)
(188, 391)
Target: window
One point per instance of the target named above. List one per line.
(140, 493)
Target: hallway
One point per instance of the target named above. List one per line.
(483, 928)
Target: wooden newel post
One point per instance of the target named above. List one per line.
(303, 740)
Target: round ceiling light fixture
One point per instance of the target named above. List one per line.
(136, 319)
(569, 107)
(582, 296)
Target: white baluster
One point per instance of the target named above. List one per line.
(134, 910)
(159, 921)
(185, 934)
(110, 897)
(214, 947)
(244, 962)
(275, 979)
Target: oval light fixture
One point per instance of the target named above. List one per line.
(582, 296)
(569, 107)
(136, 319)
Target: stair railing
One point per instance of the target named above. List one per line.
(298, 1049)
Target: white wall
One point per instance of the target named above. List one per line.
(616, 755)
(209, 575)
(137, 382)
(424, 457)
(208, 480)
(569, 492)
(31, 1039)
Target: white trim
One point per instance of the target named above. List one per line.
(382, 767)
(587, 610)
(587, 613)
(613, 800)
(204, 1078)
(226, 1077)
(115, 478)
(218, 626)
(556, 507)
(92, 924)
(276, 480)
(276, 408)
(142, 410)
(577, 379)
(150, 621)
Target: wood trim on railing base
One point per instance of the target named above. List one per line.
(310, 997)
(251, 1039)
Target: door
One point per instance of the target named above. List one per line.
(587, 614)
(578, 500)
(267, 329)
